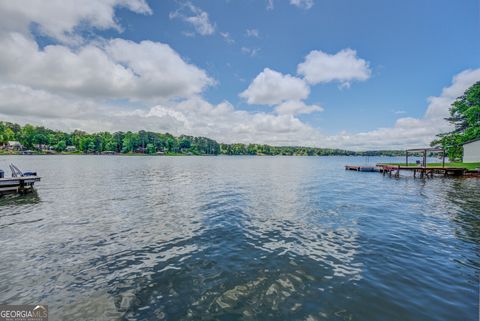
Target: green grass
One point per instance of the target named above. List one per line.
(469, 166)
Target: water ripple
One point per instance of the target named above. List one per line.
(239, 238)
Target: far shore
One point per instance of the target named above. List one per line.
(53, 153)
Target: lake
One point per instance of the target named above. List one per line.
(239, 238)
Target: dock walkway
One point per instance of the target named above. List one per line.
(418, 171)
(422, 171)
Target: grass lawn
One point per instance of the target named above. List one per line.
(470, 166)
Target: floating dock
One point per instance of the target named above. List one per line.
(362, 168)
(21, 185)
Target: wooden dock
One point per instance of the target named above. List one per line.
(21, 185)
(418, 171)
(421, 168)
(422, 171)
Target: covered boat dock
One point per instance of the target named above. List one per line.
(420, 169)
(424, 152)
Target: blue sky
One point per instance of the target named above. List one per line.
(404, 53)
(413, 47)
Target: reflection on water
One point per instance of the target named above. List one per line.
(467, 216)
(19, 200)
(14, 207)
(239, 238)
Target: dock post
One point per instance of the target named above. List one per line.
(21, 188)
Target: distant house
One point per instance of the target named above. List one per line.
(42, 147)
(471, 151)
(14, 145)
(70, 149)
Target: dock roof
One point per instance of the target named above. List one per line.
(428, 149)
(471, 141)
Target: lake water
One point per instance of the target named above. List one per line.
(239, 238)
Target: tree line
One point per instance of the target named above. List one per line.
(146, 142)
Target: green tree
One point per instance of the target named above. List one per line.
(7, 135)
(170, 143)
(130, 142)
(61, 145)
(185, 142)
(117, 140)
(150, 148)
(91, 146)
(27, 136)
(465, 118)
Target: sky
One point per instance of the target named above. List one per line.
(351, 74)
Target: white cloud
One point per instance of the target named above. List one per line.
(252, 52)
(159, 70)
(188, 34)
(438, 107)
(67, 87)
(411, 132)
(304, 4)
(114, 69)
(195, 116)
(296, 107)
(59, 19)
(270, 5)
(227, 37)
(17, 100)
(253, 33)
(197, 17)
(23, 104)
(271, 87)
(344, 66)
(117, 69)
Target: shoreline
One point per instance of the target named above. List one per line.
(177, 154)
